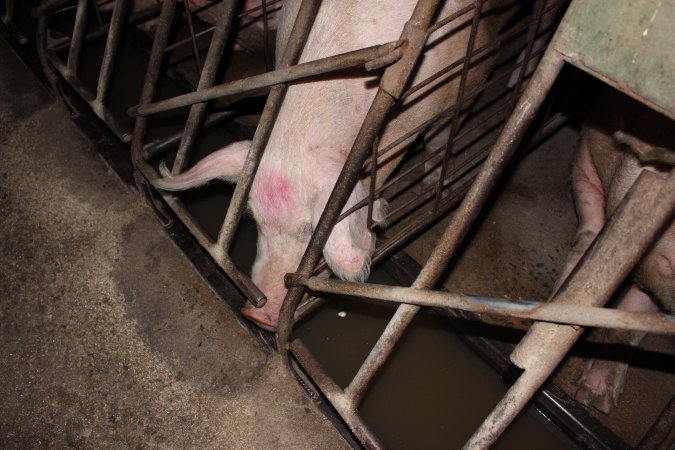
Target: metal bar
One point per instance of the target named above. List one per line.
(391, 87)
(151, 76)
(111, 46)
(284, 74)
(644, 211)
(539, 7)
(454, 124)
(266, 43)
(98, 12)
(587, 316)
(206, 80)
(193, 40)
(334, 394)
(103, 113)
(465, 215)
(159, 146)
(301, 28)
(77, 39)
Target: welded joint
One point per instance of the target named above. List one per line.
(412, 40)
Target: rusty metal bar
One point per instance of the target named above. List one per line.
(266, 44)
(301, 28)
(285, 74)
(454, 124)
(111, 46)
(206, 80)
(77, 39)
(587, 316)
(334, 394)
(461, 222)
(152, 75)
(645, 210)
(159, 146)
(193, 40)
(88, 96)
(391, 87)
(539, 7)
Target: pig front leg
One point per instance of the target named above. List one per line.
(604, 376)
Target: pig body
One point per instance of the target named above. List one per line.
(315, 129)
(604, 169)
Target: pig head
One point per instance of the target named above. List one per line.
(286, 204)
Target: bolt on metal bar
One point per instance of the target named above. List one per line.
(391, 87)
(77, 39)
(285, 74)
(462, 220)
(296, 42)
(587, 316)
(111, 46)
(206, 80)
(645, 210)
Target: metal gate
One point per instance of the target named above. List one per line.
(470, 163)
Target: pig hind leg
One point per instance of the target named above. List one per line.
(604, 376)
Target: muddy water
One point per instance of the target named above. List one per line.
(433, 393)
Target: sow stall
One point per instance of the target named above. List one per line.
(478, 151)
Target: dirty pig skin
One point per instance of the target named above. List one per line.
(604, 168)
(315, 130)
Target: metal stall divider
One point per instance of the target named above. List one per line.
(647, 207)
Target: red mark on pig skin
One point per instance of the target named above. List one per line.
(272, 197)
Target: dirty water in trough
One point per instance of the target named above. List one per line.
(433, 393)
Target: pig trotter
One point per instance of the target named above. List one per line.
(601, 384)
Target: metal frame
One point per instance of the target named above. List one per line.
(575, 304)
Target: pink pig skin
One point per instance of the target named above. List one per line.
(316, 128)
(603, 172)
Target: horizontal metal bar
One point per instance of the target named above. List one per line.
(347, 60)
(524, 309)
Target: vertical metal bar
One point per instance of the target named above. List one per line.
(460, 96)
(191, 28)
(111, 46)
(98, 12)
(296, 42)
(77, 39)
(373, 183)
(391, 87)
(206, 80)
(268, 61)
(461, 221)
(152, 75)
(535, 24)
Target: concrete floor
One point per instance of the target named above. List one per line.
(108, 337)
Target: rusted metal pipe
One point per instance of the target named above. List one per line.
(523, 309)
(206, 80)
(79, 29)
(349, 60)
(111, 46)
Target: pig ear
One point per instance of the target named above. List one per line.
(351, 243)
(224, 164)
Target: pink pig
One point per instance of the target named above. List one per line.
(604, 169)
(315, 129)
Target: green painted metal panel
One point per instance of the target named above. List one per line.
(628, 43)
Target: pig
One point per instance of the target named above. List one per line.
(315, 129)
(615, 138)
